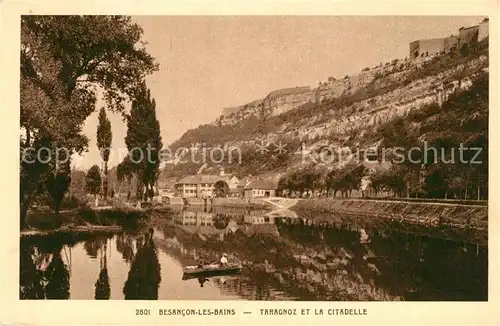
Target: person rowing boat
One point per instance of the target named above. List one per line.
(223, 260)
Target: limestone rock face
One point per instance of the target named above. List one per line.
(343, 109)
(371, 110)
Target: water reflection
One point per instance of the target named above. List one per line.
(144, 276)
(102, 288)
(125, 246)
(283, 259)
(31, 274)
(43, 275)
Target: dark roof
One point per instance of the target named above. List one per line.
(262, 184)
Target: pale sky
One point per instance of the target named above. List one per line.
(211, 62)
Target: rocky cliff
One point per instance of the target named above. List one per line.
(340, 111)
(372, 109)
(275, 103)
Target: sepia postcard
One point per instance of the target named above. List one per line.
(258, 162)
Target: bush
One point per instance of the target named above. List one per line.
(89, 215)
(71, 202)
(120, 216)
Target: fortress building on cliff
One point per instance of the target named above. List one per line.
(466, 35)
(283, 100)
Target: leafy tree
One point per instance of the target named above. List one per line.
(58, 184)
(390, 180)
(94, 180)
(77, 186)
(305, 179)
(287, 184)
(104, 137)
(345, 179)
(125, 172)
(63, 60)
(221, 189)
(144, 142)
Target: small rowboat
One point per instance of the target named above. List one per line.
(210, 270)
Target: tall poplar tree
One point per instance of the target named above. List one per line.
(144, 142)
(104, 138)
(63, 61)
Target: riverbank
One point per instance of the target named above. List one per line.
(432, 214)
(87, 220)
(248, 203)
(72, 229)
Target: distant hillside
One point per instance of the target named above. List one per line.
(345, 113)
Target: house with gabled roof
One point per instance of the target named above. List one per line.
(198, 186)
(261, 188)
(203, 185)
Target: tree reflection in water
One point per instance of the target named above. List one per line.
(93, 246)
(56, 276)
(337, 262)
(37, 283)
(102, 288)
(125, 246)
(43, 272)
(144, 276)
(401, 264)
(31, 276)
(221, 221)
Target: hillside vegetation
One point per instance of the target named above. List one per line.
(397, 109)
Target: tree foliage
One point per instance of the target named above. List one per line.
(93, 180)
(64, 60)
(104, 138)
(144, 141)
(440, 133)
(58, 184)
(221, 189)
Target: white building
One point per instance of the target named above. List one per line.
(202, 186)
(260, 188)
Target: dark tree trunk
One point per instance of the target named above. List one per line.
(27, 194)
(105, 180)
(25, 204)
(57, 204)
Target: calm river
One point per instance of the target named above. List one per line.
(282, 261)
